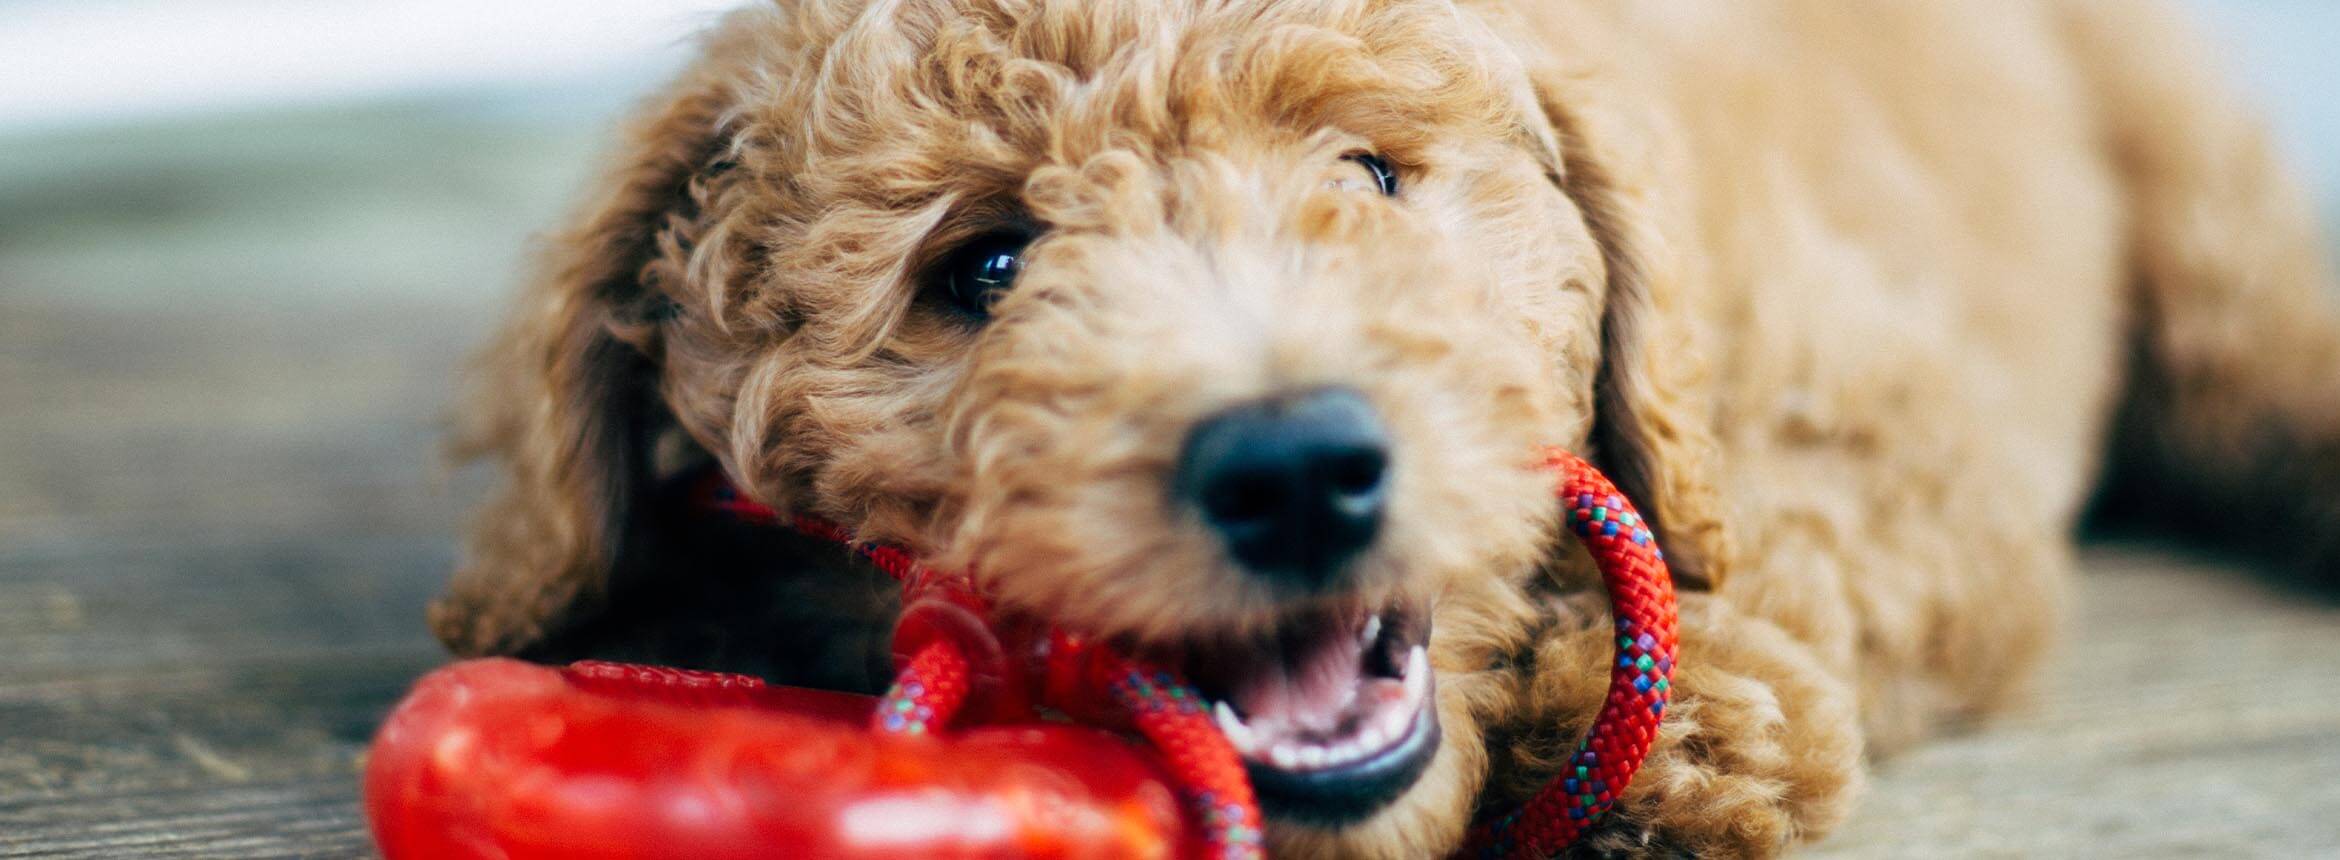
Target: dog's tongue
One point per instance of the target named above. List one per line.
(1306, 679)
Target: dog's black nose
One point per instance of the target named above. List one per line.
(1294, 484)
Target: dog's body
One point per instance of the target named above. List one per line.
(1857, 299)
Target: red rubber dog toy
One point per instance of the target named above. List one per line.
(496, 758)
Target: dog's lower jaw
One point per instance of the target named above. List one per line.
(1345, 795)
(1429, 818)
(1332, 712)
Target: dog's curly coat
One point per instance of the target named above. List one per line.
(1857, 300)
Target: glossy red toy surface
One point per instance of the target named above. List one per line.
(498, 758)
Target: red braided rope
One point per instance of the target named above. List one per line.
(927, 693)
(1641, 594)
(1171, 716)
(938, 678)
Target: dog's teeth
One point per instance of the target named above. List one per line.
(1372, 738)
(1372, 630)
(1396, 721)
(1237, 733)
(1312, 756)
(1284, 756)
(1417, 674)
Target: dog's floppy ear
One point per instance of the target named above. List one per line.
(1651, 433)
(566, 397)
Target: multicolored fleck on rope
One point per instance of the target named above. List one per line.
(1641, 592)
(928, 692)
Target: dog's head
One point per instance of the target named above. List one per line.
(1226, 330)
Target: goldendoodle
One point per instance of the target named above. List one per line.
(1229, 329)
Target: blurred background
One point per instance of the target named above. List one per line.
(245, 244)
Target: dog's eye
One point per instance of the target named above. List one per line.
(1384, 178)
(975, 276)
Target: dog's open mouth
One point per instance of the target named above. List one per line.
(1331, 710)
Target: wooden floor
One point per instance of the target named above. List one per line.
(220, 518)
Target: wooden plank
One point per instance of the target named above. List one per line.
(244, 759)
(87, 614)
(2195, 713)
(295, 423)
(202, 700)
(309, 818)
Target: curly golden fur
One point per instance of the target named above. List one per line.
(1847, 295)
